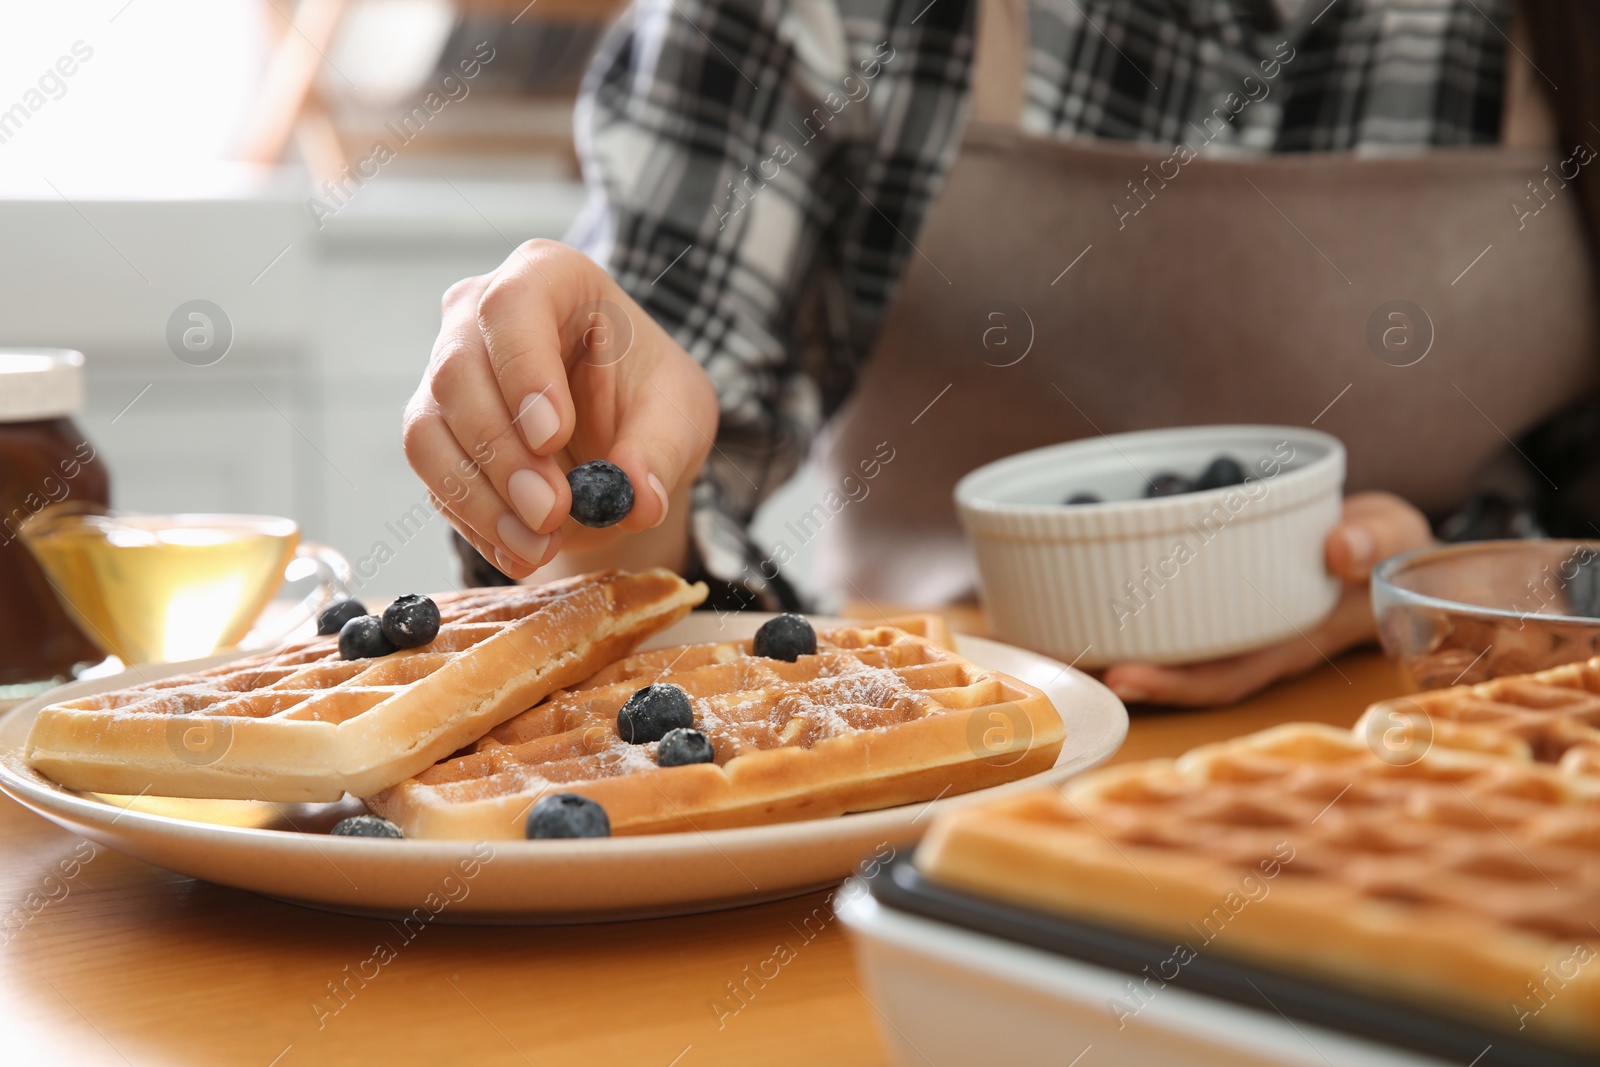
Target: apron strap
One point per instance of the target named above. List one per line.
(999, 61)
(1526, 120)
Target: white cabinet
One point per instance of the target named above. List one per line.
(331, 326)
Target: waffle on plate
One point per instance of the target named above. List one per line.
(1552, 716)
(1465, 881)
(302, 724)
(877, 716)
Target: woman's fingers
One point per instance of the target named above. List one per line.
(1222, 681)
(1227, 681)
(538, 296)
(667, 421)
(519, 353)
(469, 400)
(1374, 527)
(465, 496)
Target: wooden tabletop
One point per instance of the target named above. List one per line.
(107, 960)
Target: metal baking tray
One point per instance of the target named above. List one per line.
(1386, 1021)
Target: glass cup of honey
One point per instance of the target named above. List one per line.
(164, 588)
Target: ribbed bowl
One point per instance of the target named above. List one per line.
(1171, 580)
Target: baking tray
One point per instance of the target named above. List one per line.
(898, 885)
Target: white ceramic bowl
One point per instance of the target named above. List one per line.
(1175, 579)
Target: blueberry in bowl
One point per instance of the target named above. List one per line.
(1167, 483)
(1222, 472)
(1160, 546)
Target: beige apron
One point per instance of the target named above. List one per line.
(1240, 292)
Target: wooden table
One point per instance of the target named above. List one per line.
(132, 964)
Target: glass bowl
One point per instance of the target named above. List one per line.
(1461, 614)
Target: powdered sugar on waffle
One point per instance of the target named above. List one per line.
(845, 683)
(621, 757)
(844, 696)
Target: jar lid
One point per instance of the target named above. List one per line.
(40, 383)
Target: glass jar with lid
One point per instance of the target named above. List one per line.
(44, 460)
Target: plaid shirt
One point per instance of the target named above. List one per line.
(758, 169)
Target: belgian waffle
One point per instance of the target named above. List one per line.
(1461, 880)
(1552, 716)
(877, 717)
(301, 724)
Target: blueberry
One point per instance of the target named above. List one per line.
(1167, 484)
(362, 637)
(681, 747)
(601, 493)
(335, 615)
(653, 712)
(366, 826)
(1223, 471)
(1082, 498)
(567, 815)
(410, 621)
(785, 637)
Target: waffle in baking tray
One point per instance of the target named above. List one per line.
(876, 717)
(1465, 883)
(302, 724)
(1552, 716)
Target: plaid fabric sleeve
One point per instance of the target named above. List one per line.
(752, 168)
(757, 169)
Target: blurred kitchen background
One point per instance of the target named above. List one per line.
(187, 157)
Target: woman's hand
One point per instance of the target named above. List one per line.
(1374, 527)
(541, 365)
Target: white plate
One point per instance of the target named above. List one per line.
(283, 850)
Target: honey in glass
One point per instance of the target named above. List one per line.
(161, 588)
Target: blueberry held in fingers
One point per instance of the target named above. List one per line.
(1222, 472)
(335, 615)
(366, 826)
(653, 712)
(681, 747)
(410, 621)
(362, 638)
(565, 815)
(786, 637)
(601, 493)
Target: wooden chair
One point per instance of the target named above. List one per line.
(290, 109)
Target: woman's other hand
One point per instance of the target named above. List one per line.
(1373, 527)
(541, 365)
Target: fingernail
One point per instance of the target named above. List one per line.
(661, 491)
(521, 540)
(1360, 544)
(538, 419)
(505, 562)
(552, 548)
(531, 496)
